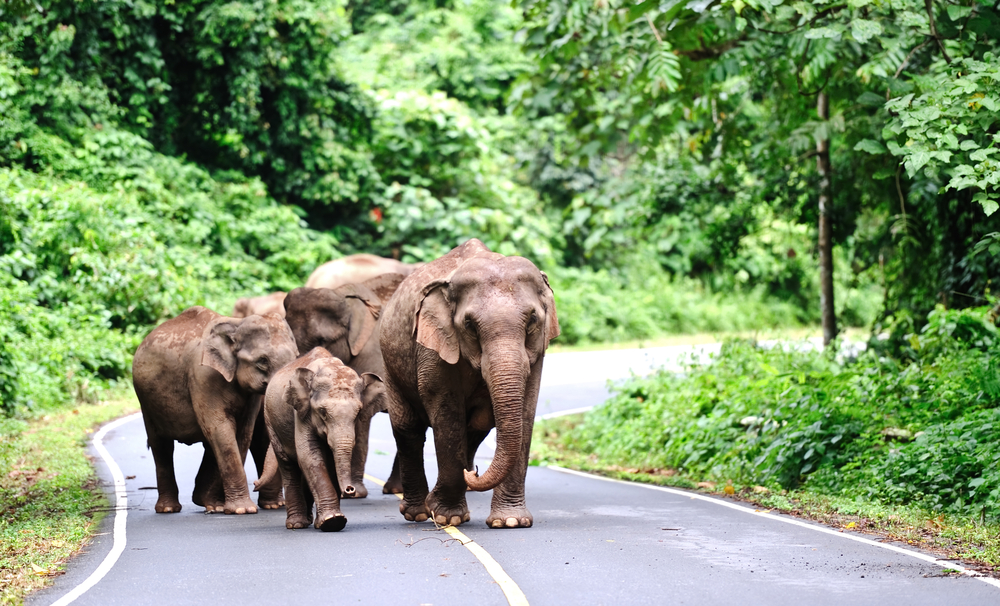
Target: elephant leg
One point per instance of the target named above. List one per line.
(394, 485)
(166, 481)
(298, 514)
(446, 501)
(410, 432)
(208, 490)
(508, 509)
(474, 438)
(313, 464)
(229, 443)
(359, 456)
(270, 496)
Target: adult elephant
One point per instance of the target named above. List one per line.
(355, 269)
(345, 321)
(463, 340)
(273, 303)
(199, 378)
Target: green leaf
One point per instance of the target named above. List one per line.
(990, 205)
(822, 32)
(916, 161)
(871, 146)
(968, 144)
(864, 30)
(957, 13)
(871, 99)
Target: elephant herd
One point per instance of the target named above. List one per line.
(456, 344)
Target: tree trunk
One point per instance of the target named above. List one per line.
(827, 313)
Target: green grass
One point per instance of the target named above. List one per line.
(50, 503)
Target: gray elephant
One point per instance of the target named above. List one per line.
(198, 378)
(313, 409)
(355, 269)
(463, 340)
(273, 303)
(345, 322)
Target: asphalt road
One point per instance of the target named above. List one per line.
(594, 541)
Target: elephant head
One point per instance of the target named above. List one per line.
(341, 320)
(331, 399)
(248, 350)
(499, 315)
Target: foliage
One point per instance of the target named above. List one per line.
(49, 501)
(784, 417)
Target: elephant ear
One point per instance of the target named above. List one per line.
(241, 308)
(219, 348)
(364, 308)
(300, 389)
(434, 327)
(373, 398)
(552, 321)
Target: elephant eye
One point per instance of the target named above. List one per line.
(470, 325)
(322, 413)
(533, 319)
(262, 363)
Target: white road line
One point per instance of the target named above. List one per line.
(121, 512)
(682, 493)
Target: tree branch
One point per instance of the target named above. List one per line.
(908, 57)
(819, 15)
(653, 27)
(929, 5)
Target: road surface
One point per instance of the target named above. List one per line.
(594, 541)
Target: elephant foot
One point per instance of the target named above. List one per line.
(514, 517)
(332, 522)
(295, 522)
(271, 501)
(167, 504)
(240, 506)
(414, 512)
(394, 485)
(447, 514)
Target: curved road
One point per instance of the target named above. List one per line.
(594, 541)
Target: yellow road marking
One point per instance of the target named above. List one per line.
(515, 597)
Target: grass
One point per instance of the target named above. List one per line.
(973, 541)
(50, 502)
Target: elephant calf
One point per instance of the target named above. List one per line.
(313, 409)
(463, 341)
(198, 378)
(273, 303)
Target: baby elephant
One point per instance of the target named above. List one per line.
(198, 378)
(312, 409)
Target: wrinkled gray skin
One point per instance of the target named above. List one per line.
(345, 322)
(355, 269)
(198, 378)
(463, 340)
(273, 303)
(313, 409)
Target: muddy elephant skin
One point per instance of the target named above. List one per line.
(273, 303)
(312, 409)
(199, 378)
(345, 322)
(463, 341)
(355, 269)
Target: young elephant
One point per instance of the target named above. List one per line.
(463, 340)
(345, 322)
(313, 410)
(198, 378)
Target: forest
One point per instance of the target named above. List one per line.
(676, 167)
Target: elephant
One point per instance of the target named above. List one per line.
(273, 303)
(355, 269)
(313, 409)
(345, 321)
(463, 340)
(198, 378)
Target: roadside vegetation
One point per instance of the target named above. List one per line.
(904, 438)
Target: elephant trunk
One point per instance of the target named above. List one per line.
(270, 471)
(342, 446)
(505, 369)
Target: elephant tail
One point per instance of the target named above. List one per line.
(270, 472)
